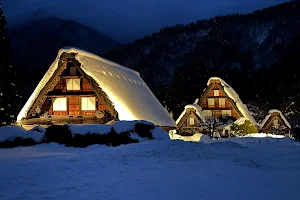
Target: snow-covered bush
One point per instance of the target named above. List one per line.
(79, 135)
(121, 132)
(18, 141)
(243, 128)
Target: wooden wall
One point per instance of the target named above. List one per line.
(217, 109)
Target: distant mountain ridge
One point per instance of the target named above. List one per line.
(35, 44)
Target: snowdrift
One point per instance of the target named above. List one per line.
(120, 132)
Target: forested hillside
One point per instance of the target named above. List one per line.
(257, 54)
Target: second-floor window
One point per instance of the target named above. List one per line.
(211, 102)
(216, 93)
(73, 84)
(192, 121)
(222, 102)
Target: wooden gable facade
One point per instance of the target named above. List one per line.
(70, 96)
(275, 124)
(215, 102)
(190, 123)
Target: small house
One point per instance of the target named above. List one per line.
(218, 100)
(276, 123)
(189, 122)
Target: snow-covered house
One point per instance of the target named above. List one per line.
(275, 123)
(80, 87)
(220, 99)
(189, 122)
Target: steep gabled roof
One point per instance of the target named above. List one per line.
(196, 107)
(129, 94)
(234, 97)
(263, 123)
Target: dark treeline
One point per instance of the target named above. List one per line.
(257, 54)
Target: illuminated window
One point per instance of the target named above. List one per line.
(211, 101)
(73, 84)
(226, 112)
(60, 104)
(88, 103)
(207, 112)
(216, 93)
(192, 121)
(222, 102)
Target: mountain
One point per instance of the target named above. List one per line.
(35, 45)
(257, 54)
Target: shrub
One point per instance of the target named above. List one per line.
(296, 133)
(18, 141)
(59, 134)
(244, 129)
(112, 138)
(144, 130)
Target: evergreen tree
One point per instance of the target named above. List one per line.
(8, 89)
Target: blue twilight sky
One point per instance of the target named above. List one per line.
(126, 20)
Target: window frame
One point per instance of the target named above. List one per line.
(216, 93)
(192, 121)
(224, 113)
(59, 100)
(222, 105)
(72, 80)
(208, 100)
(87, 104)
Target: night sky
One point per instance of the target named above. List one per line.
(126, 20)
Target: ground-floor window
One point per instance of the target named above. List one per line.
(226, 112)
(60, 104)
(207, 112)
(88, 103)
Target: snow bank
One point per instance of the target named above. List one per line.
(37, 133)
(160, 134)
(235, 97)
(11, 132)
(124, 126)
(131, 97)
(194, 138)
(269, 115)
(206, 139)
(263, 135)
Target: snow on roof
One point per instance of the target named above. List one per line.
(240, 121)
(269, 115)
(194, 106)
(235, 97)
(131, 97)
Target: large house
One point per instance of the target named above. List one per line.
(276, 123)
(80, 87)
(218, 99)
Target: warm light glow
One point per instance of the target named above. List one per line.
(60, 104)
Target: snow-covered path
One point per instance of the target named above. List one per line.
(242, 169)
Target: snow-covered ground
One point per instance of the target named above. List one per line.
(237, 168)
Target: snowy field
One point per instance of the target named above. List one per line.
(241, 168)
